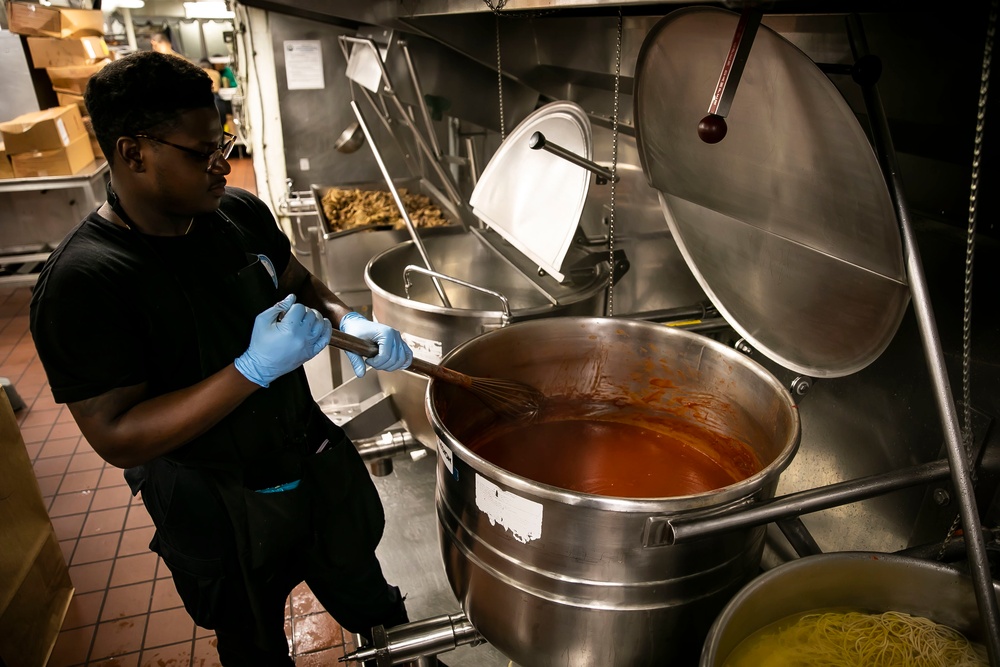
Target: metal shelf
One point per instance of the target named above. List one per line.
(84, 178)
(33, 224)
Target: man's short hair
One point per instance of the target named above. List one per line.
(144, 92)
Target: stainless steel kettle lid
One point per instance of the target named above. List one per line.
(787, 222)
(532, 198)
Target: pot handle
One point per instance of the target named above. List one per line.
(504, 303)
(658, 531)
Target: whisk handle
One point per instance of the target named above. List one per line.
(367, 349)
(440, 372)
(350, 343)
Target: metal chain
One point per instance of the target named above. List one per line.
(496, 14)
(496, 8)
(970, 242)
(970, 249)
(614, 171)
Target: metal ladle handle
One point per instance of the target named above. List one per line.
(712, 128)
(399, 203)
(504, 303)
(538, 141)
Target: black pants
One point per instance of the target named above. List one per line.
(358, 598)
(196, 541)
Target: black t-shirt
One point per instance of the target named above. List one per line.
(113, 307)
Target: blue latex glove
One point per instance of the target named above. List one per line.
(284, 337)
(393, 352)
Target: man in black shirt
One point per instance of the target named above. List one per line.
(174, 322)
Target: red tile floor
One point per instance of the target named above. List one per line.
(125, 610)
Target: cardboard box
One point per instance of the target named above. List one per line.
(34, 20)
(43, 130)
(50, 52)
(35, 587)
(96, 148)
(94, 145)
(72, 99)
(6, 170)
(64, 161)
(73, 79)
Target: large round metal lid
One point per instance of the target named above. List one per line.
(787, 222)
(533, 198)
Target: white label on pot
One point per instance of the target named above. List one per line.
(522, 517)
(446, 457)
(424, 348)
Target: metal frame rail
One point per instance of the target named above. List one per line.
(957, 458)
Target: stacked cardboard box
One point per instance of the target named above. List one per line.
(53, 142)
(70, 82)
(94, 145)
(35, 587)
(67, 43)
(6, 170)
(41, 20)
(55, 52)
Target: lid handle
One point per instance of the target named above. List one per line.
(538, 141)
(712, 128)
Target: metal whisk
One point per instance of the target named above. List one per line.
(508, 398)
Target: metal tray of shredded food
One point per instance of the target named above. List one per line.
(360, 220)
(348, 209)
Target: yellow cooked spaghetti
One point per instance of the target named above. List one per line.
(855, 639)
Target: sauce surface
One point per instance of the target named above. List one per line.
(608, 458)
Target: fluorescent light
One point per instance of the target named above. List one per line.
(210, 9)
(111, 5)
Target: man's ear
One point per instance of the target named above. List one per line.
(129, 153)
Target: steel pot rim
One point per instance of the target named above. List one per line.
(492, 316)
(715, 498)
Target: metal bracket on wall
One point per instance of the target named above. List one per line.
(385, 90)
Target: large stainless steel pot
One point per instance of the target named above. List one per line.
(870, 582)
(552, 577)
(433, 330)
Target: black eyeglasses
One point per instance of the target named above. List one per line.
(213, 157)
